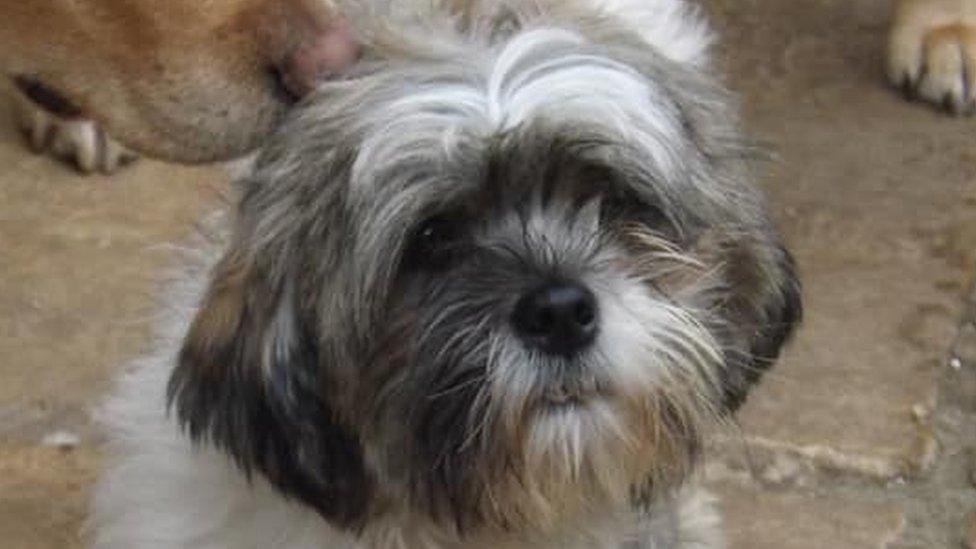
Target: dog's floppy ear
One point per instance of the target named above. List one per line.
(762, 315)
(249, 380)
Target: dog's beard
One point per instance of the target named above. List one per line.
(508, 437)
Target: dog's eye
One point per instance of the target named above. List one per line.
(435, 242)
(627, 207)
(435, 231)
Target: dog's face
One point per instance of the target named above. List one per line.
(500, 293)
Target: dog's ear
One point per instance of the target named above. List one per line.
(761, 314)
(250, 381)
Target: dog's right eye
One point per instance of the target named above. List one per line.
(435, 232)
(435, 242)
(624, 206)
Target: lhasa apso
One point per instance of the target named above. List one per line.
(490, 291)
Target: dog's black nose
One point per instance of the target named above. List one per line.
(558, 318)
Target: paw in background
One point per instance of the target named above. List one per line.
(54, 126)
(932, 52)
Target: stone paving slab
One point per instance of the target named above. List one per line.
(969, 532)
(43, 495)
(963, 352)
(878, 200)
(777, 520)
(79, 258)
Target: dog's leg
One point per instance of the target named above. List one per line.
(699, 521)
(932, 52)
(57, 127)
(688, 520)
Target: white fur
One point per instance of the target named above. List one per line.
(160, 492)
(537, 75)
(673, 27)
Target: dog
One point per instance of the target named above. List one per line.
(491, 290)
(176, 80)
(932, 52)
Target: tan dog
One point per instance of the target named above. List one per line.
(932, 51)
(182, 80)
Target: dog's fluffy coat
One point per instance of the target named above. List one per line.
(349, 376)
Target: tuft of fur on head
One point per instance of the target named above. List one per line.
(356, 345)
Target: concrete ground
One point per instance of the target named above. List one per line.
(864, 435)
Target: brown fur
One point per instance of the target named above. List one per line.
(176, 79)
(224, 309)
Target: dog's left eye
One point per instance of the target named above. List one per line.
(435, 241)
(435, 231)
(627, 207)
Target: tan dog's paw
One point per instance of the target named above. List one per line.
(75, 140)
(932, 52)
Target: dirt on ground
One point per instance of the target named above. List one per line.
(863, 436)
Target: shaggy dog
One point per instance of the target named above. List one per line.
(490, 291)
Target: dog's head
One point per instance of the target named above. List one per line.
(506, 284)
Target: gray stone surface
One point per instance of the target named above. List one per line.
(79, 260)
(764, 519)
(969, 531)
(878, 199)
